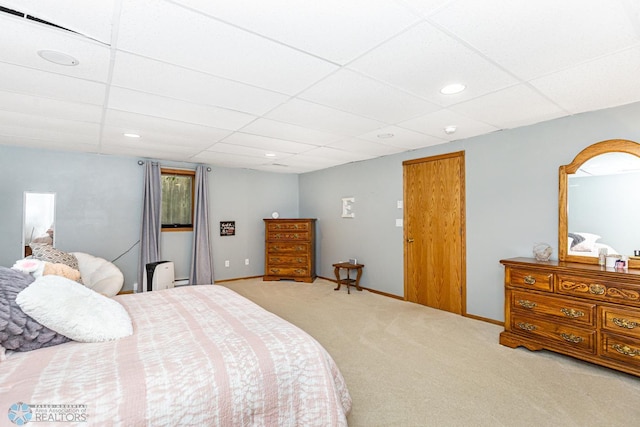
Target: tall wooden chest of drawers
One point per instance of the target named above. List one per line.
(581, 310)
(290, 249)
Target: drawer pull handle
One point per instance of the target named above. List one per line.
(527, 304)
(596, 289)
(625, 323)
(571, 338)
(275, 270)
(529, 280)
(626, 350)
(527, 326)
(300, 271)
(573, 313)
(300, 260)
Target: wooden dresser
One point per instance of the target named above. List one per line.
(581, 310)
(290, 249)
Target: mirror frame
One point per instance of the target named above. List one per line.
(602, 147)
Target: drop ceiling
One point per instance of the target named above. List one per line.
(313, 84)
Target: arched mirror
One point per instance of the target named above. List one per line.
(599, 203)
(38, 224)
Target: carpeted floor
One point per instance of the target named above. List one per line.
(410, 365)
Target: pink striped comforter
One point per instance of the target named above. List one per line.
(199, 356)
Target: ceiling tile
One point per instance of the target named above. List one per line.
(601, 83)
(47, 128)
(506, 108)
(163, 152)
(62, 144)
(222, 147)
(22, 39)
(434, 124)
(266, 143)
(158, 106)
(423, 60)
(312, 162)
(426, 7)
(290, 132)
(114, 136)
(280, 168)
(332, 29)
(352, 92)
(360, 146)
(159, 78)
(402, 137)
(46, 107)
(338, 155)
(49, 85)
(304, 113)
(196, 41)
(533, 38)
(141, 124)
(228, 159)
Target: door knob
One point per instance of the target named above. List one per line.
(409, 240)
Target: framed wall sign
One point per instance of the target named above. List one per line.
(227, 228)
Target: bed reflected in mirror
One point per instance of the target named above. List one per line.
(39, 220)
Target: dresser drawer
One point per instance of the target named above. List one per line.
(586, 287)
(620, 321)
(556, 334)
(561, 308)
(287, 271)
(294, 261)
(623, 349)
(288, 248)
(288, 226)
(303, 236)
(531, 279)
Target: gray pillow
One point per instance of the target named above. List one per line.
(19, 332)
(55, 256)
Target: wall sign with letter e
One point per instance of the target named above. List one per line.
(347, 207)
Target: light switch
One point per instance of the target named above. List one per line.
(399, 222)
(399, 204)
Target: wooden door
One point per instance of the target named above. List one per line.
(434, 232)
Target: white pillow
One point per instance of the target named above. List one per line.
(74, 310)
(588, 244)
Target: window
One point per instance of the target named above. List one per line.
(177, 199)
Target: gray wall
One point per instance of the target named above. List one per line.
(511, 202)
(98, 209)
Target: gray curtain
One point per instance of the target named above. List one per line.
(151, 220)
(201, 261)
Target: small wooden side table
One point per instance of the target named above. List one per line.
(348, 281)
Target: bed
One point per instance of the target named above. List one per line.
(198, 355)
(586, 244)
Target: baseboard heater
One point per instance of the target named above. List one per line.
(160, 275)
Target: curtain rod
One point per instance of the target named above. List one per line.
(140, 162)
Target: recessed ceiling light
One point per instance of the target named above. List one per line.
(58, 57)
(450, 129)
(270, 155)
(131, 135)
(452, 89)
(385, 135)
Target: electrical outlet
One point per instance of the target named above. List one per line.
(226, 263)
(246, 261)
